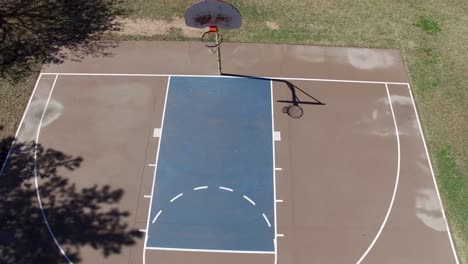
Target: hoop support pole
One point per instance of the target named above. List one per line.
(218, 53)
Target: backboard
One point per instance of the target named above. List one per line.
(213, 13)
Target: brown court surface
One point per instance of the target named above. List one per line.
(353, 180)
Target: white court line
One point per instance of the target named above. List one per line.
(274, 170)
(248, 199)
(275, 244)
(156, 217)
(225, 76)
(278, 169)
(280, 235)
(176, 197)
(226, 189)
(211, 250)
(395, 188)
(266, 220)
(433, 176)
(142, 230)
(156, 162)
(279, 201)
(147, 196)
(152, 165)
(20, 125)
(200, 188)
(44, 217)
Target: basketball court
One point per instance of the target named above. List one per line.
(222, 168)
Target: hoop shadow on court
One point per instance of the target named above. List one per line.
(293, 107)
(79, 216)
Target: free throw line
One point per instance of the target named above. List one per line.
(210, 250)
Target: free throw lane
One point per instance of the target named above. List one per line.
(213, 187)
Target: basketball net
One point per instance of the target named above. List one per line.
(212, 40)
(213, 50)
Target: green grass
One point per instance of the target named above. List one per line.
(428, 25)
(13, 99)
(454, 182)
(431, 34)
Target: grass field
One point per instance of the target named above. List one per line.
(431, 34)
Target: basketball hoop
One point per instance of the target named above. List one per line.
(212, 39)
(213, 14)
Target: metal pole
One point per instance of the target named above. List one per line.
(218, 52)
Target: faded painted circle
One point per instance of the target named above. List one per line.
(368, 59)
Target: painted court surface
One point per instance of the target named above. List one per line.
(213, 171)
(217, 133)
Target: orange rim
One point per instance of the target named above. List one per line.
(213, 45)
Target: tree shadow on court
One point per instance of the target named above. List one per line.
(33, 32)
(79, 217)
(295, 102)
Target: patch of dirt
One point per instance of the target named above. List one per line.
(272, 25)
(146, 27)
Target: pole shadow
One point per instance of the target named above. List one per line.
(293, 107)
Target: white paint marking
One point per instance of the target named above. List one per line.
(248, 199)
(217, 76)
(395, 188)
(156, 217)
(20, 124)
(276, 249)
(226, 189)
(176, 197)
(155, 171)
(147, 196)
(152, 165)
(210, 250)
(279, 201)
(266, 220)
(157, 132)
(274, 169)
(200, 188)
(277, 136)
(142, 230)
(280, 235)
(278, 169)
(433, 176)
(36, 182)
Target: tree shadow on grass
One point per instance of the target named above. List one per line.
(34, 32)
(77, 216)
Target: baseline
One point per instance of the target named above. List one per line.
(226, 76)
(211, 250)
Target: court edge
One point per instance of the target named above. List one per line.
(273, 78)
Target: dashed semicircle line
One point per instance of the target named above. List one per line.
(206, 187)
